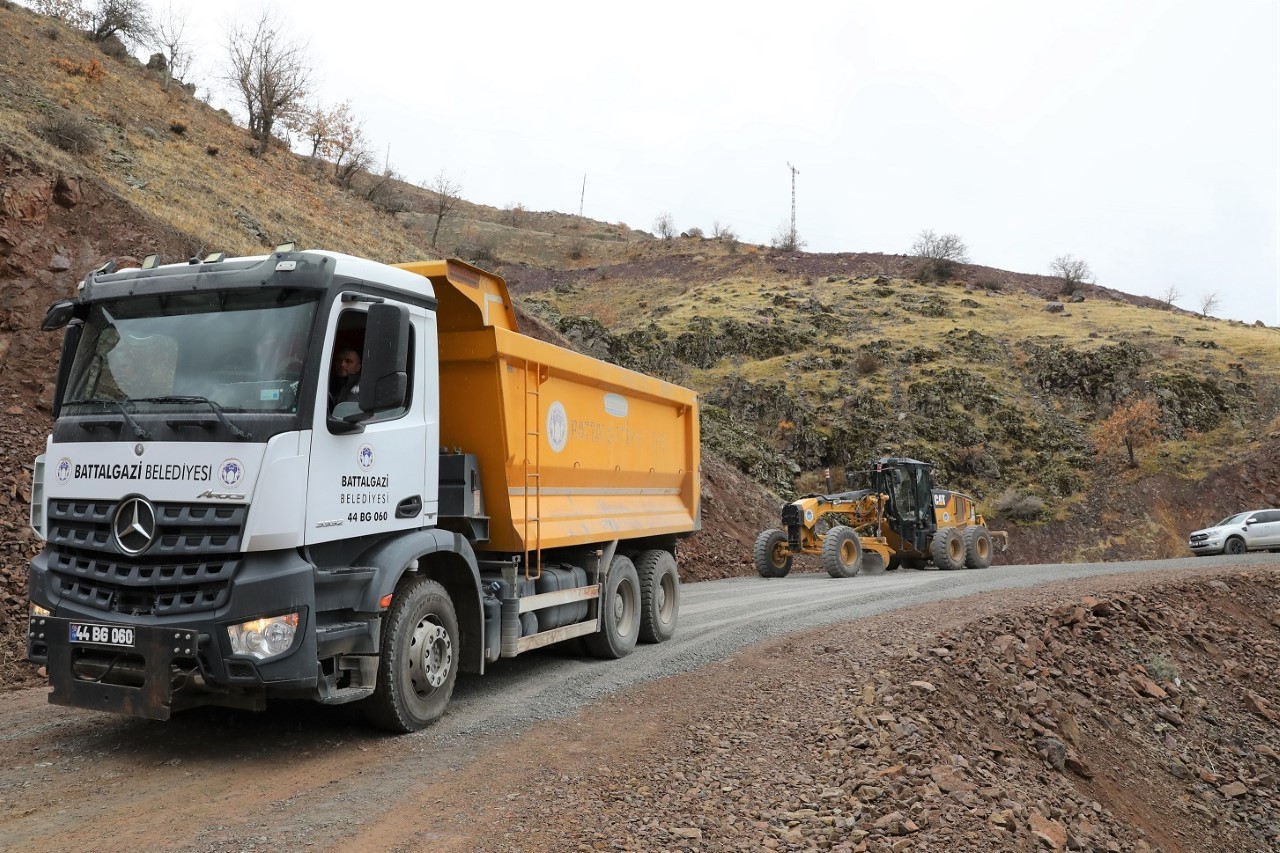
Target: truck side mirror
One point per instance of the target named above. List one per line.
(58, 315)
(384, 373)
(70, 342)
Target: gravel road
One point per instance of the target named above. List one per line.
(306, 775)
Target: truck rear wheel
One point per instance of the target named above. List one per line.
(947, 549)
(770, 556)
(659, 595)
(418, 664)
(977, 547)
(619, 612)
(841, 552)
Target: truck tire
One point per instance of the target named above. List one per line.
(768, 555)
(977, 547)
(916, 563)
(947, 549)
(841, 552)
(895, 563)
(1235, 545)
(418, 664)
(619, 612)
(659, 595)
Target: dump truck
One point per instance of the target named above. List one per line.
(898, 519)
(227, 522)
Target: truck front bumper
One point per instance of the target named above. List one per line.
(145, 667)
(138, 678)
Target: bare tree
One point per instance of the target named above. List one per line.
(446, 192)
(786, 239)
(723, 230)
(382, 190)
(940, 247)
(664, 226)
(1170, 296)
(1209, 303)
(271, 74)
(346, 145)
(169, 35)
(126, 19)
(1072, 270)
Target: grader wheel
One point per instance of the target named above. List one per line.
(977, 548)
(947, 549)
(841, 552)
(770, 554)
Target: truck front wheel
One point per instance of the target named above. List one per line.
(619, 612)
(419, 661)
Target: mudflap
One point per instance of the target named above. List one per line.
(136, 679)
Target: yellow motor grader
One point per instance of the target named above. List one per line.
(899, 520)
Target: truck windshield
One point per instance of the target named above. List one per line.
(242, 351)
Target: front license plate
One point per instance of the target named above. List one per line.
(117, 636)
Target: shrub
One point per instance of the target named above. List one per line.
(178, 126)
(866, 363)
(694, 232)
(91, 70)
(211, 150)
(1018, 505)
(68, 132)
(1161, 668)
(576, 250)
(991, 285)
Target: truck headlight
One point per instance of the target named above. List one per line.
(264, 638)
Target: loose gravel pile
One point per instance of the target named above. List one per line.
(1114, 722)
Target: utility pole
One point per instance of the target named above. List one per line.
(794, 172)
(584, 195)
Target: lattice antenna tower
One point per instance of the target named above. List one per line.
(794, 172)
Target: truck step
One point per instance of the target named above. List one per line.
(343, 695)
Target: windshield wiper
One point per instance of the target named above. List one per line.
(189, 399)
(138, 431)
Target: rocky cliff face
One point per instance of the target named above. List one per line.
(53, 228)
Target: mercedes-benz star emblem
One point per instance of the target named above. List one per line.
(134, 525)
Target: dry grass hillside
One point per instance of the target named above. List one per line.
(804, 361)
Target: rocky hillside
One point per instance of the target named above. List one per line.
(803, 361)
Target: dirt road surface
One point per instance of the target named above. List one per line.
(304, 776)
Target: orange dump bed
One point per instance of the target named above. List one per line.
(572, 450)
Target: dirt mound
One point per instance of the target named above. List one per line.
(735, 509)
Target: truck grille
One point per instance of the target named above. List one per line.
(188, 566)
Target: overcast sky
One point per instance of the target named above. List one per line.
(1139, 136)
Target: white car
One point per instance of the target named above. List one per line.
(1255, 530)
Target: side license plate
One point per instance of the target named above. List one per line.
(117, 636)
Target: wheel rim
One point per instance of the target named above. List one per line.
(666, 593)
(955, 548)
(984, 547)
(778, 556)
(1235, 546)
(625, 611)
(430, 656)
(848, 552)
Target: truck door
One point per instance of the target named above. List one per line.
(374, 480)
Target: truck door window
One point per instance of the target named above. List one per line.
(346, 364)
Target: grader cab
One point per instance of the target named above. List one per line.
(899, 519)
